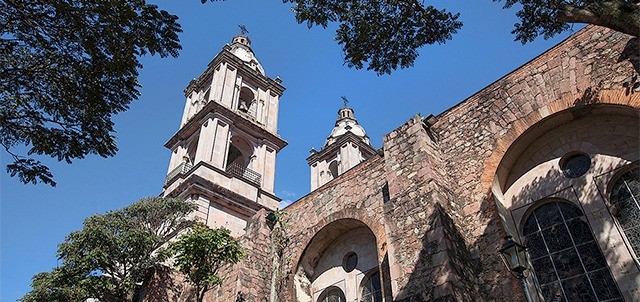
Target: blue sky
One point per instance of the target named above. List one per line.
(34, 219)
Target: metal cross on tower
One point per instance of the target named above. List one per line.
(344, 99)
(243, 29)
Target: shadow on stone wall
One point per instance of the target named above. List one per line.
(631, 53)
(446, 268)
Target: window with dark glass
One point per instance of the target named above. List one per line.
(349, 262)
(625, 206)
(371, 289)
(566, 259)
(576, 165)
(332, 294)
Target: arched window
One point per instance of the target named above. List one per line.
(566, 259)
(332, 294)
(371, 289)
(625, 204)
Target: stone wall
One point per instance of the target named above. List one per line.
(421, 253)
(589, 67)
(248, 280)
(428, 198)
(354, 195)
(440, 227)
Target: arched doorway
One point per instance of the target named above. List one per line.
(341, 255)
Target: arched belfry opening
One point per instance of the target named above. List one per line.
(223, 156)
(552, 188)
(342, 259)
(246, 100)
(192, 148)
(240, 153)
(333, 169)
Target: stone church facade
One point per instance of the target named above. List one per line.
(549, 154)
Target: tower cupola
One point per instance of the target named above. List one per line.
(223, 156)
(346, 146)
(346, 122)
(241, 48)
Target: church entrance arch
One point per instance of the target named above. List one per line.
(573, 155)
(341, 256)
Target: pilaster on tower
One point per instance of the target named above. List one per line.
(346, 146)
(223, 156)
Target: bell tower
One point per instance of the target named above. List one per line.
(224, 154)
(346, 146)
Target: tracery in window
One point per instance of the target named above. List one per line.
(332, 294)
(371, 289)
(566, 259)
(625, 202)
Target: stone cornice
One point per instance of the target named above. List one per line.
(195, 184)
(250, 127)
(253, 75)
(367, 150)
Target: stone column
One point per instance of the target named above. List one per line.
(205, 140)
(269, 171)
(220, 144)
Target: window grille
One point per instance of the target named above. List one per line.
(566, 259)
(332, 294)
(625, 205)
(371, 289)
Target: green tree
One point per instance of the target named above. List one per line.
(548, 18)
(57, 286)
(115, 254)
(66, 67)
(201, 252)
(385, 34)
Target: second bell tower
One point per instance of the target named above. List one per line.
(223, 156)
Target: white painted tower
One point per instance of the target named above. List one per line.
(223, 157)
(346, 146)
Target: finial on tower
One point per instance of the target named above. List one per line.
(344, 99)
(243, 30)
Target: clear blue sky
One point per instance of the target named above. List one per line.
(35, 218)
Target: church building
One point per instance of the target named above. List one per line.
(546, 157)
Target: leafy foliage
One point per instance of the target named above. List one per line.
(66, 67)
(113, 254)
(384, 34)
(550, 17)
(56, 286)
(200, 252)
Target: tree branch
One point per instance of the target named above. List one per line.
(619, 15)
